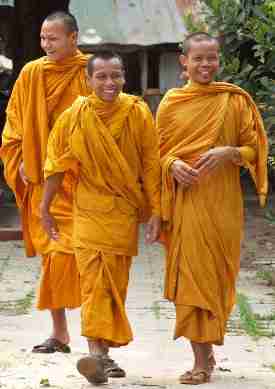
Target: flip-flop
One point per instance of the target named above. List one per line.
(112, 369)
(92, 368)
(50, 346)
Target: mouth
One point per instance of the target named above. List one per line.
(205, 73)
(110, 91)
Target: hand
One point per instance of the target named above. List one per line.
(216, 157)
(48, 223)
(183, 173)
(152, 230)
(22, 174)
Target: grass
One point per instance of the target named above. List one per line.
(156, 309)
(270, 317)
(250, 321)
(23, 306)
(265, 275)
(18, 307)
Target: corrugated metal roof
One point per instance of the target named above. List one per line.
(7, 2)
(128, 22)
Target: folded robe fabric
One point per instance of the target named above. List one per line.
(43, 90)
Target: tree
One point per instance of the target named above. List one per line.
(246, 30)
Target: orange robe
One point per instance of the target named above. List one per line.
(43, 90)
(204, 223)
(113, 151)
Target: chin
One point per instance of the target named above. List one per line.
(205, 82)
(109, 98)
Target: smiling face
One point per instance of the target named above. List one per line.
(107, 78)
(56, 41)
(202, 61)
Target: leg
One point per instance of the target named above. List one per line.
(201, 353)
(59, 288)
(60, 327)
(200, 373)
(211, 359)
(104, 281)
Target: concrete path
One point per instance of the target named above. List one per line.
(153, 360)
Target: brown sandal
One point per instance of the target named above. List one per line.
(112, 369)
(92, 368)
(187, 375)
(50, 346)
(197, 377)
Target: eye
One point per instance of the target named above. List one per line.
(116, 76)
(101, 77)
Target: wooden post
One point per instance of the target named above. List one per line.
(144, 71)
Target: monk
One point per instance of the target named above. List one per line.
(44, 89)
(208, 130)
(108, 143)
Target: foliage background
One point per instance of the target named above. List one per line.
(246, 30)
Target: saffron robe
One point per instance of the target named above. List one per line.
(112, 149)
(43, 90)
(204, 222)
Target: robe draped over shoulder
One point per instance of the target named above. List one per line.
(204, 222)
(42, 91)
(112, 151)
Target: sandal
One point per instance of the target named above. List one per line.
(186, 375)
(92, 368)
(51, 345)
(112, 369)
(197, 377)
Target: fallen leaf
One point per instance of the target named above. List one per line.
(45, 383)
(224, 369)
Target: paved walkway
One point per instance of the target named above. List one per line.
(153, 360)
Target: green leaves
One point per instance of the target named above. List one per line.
(247, 31)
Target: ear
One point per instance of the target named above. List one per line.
(124, 80)
(74, 37)
(88, 78)
(183, 61)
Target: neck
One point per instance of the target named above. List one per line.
(70, 55)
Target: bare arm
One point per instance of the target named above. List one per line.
(216, 157)
(51, 187)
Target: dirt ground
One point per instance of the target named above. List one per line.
(259, 240)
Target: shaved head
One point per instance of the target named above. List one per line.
(197, 37)
(66, 18)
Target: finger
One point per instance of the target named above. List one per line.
(153, 234)
(24, 179)
(185, 169)
(202, 161)
(186, 174)
(54, 234)
(185, 179)
(148, 232)
(208, 166)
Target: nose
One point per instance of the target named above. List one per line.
(110, 81)
(205, 62)
(45, 43)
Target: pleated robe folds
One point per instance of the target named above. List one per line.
(112, 149)
(204, 223)
(43, 90)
